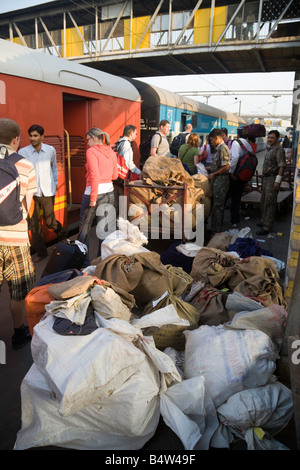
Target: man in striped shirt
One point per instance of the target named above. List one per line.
(15, 260)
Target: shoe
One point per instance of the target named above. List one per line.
(263, 232)
(259, 224)
(21, 336)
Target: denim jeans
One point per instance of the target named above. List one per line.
(105, 218)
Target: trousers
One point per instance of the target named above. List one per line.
(46, 203)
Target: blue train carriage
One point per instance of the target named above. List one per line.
(159, 104)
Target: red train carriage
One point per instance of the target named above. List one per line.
(67, 99)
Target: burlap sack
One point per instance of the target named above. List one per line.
(172, 335)
(201, 181)
(221, 241)
(264, 288)
(124, 271)
(207, 207)
(251, 267)
(153, 282)
(73, 287)
(166, 171)
(210, 303)
(205, 258)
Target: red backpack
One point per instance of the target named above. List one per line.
(246, 165)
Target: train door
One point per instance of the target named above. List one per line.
(76, 124)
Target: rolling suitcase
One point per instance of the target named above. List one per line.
(67, 254)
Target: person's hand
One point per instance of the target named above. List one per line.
(92, 203)
(211, 176)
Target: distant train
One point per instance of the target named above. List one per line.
(67, 99)
(158, 104)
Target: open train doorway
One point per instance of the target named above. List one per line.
(76, 115)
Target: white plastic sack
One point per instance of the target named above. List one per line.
(81, 370)
(270, 320)
(230, 360)
(201, 169)
(239, 303)
(189, 411)
(108, 303)
(125, 420)
(128, 240)
(188, 249)
(256, 414)
(73, 309)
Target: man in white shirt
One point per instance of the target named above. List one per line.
(43, 157)
(124, 148)
(237, 186)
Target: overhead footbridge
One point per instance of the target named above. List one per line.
(163, 37)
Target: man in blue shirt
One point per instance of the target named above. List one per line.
(43, 157)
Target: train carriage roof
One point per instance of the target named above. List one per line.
(21, 61)
(169, 98)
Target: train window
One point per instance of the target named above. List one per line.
(57, 143)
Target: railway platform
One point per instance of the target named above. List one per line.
(19, 361)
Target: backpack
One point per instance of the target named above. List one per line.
(246, 165)
(10, 205)
(176, 143)
(145, 146)
(123, 170)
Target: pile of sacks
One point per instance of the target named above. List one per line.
(158, 174)
(130, 340)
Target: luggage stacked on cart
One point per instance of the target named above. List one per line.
(167, 185)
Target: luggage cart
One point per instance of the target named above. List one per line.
(130, 188)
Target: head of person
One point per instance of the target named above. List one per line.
(188, 128)
(215, 137)
(164, 127)
(130, 132)
(193, 140)
(273, 137)
(96, 136)
(224, 133)
(242, 132)
(36, 135)
(10, 133)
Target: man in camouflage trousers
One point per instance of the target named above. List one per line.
(273, 169)
(219, 179)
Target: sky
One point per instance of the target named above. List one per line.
(256, 105)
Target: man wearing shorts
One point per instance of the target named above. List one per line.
(15, 261)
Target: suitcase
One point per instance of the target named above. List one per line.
(67, 254)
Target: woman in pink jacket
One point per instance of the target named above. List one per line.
(101, 170)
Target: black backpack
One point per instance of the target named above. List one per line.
(246, 165)
(10, 205)
(145, 146)
(176, 143)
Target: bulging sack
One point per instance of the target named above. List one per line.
(70, 364)
(230, 360)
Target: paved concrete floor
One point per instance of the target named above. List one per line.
(18, 362)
